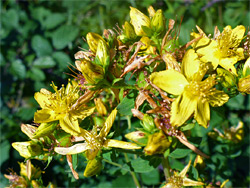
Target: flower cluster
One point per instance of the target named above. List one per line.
(170, 85)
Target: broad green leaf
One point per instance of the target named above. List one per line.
(142, 166)
(124, 108)
(41, 46)
(44, 62)
(54, 20)
(180, 153)
(36, 74)
(62, 59)
(151, 178)
(123, 181)
(18, 69)
(10, 19)
(64, 35)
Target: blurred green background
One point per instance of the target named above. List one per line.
(38, 43)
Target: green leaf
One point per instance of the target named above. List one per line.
(54, 20)
(119, 182)
(41, 46)
(188, 127)
(36, 74)
(26, 113)
(18, 69)
(44, 62)
(151, 178)
(64, 35)
(62, 59)
(10, 19)
(180, 153)
(194, 172)
(142, 166)
(124, 108)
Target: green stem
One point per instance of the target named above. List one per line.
(129, 122)
(166, 167)
(113, 163)
(132, 173)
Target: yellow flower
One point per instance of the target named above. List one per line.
(180, 180)
(94, 143)
(223, 50)
(195, 95)
(58, 106)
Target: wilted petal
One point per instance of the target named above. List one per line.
(120, 144)
(182, 108)
(202, 113)
(77, 148)
(170, 81)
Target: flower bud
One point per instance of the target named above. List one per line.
(93, 167)
(28, 149)
(246, 68)
(157, 143)
(148, 123)
(92, 73)
(100, 107)
(244, 85)
(226, 78)
(158, 22)
(45, 129)
(151, 11)
(140, 22)
(93, 40)
(102, 55)
(129, 31)
(138, 137)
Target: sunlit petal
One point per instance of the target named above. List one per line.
(189, 182)
(202, 113)
(120, 144)
(170, 81)
(182, 108)
(77, 148)
(108, 124)
(217, 98)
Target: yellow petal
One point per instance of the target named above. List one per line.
(93, 167)
(228, 64)
(189, 182)
(217, 98)
(170, 81)
(190, 64)
(238, 32)
(77, 148)
(22, 148)
(29, 130)
(42, 98)
(182, 108)
(185, 170)
(108, 124)
(70, 125)
(120, 144)
(45, 115)
(202, 113)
